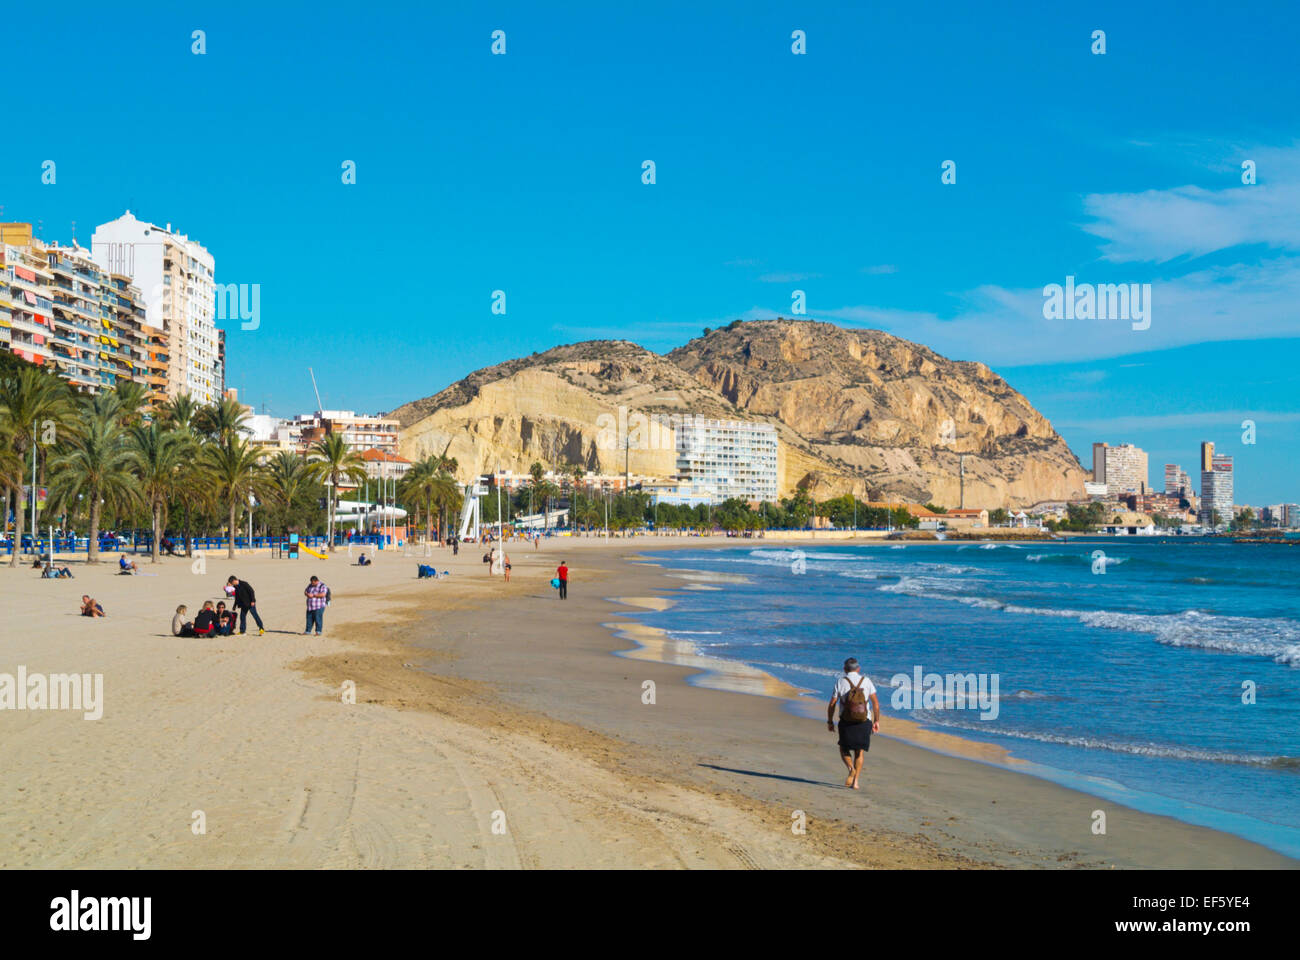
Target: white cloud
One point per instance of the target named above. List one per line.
(787, 277)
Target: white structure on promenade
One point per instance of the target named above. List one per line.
(175, 276)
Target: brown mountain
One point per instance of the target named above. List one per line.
(855, 410)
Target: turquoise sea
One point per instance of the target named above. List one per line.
(1125, 666)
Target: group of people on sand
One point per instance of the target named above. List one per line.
(50, 570)
(212, 621)
(221, 621)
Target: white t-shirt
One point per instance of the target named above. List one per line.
(846, 683)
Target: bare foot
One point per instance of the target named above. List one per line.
(848, 781)
(854, 784)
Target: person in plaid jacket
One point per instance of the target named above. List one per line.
(317, 595)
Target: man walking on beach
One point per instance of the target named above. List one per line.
(858, 718)
(316, 594)
(562, 571)
(245, 601)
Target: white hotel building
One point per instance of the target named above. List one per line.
(721, 459)
(175, 275)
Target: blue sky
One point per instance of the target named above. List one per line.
(775, 172)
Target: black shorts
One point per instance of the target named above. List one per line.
(855, 736)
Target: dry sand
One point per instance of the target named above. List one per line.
(491, 728)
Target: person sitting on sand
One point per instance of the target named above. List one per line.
(126, 566)
(225, 619)
(91, 607)
(205, 624)
(168, 546)
(180, 626)
(858, 719)
(363, 561)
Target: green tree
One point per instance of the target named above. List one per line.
(234, 471)
(35, 405)
(155, 456)
(221, 421)
(334, 462)
(93, 465)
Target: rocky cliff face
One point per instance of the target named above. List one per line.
(855, 410)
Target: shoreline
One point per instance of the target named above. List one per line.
(1146, 839)
(719, 673)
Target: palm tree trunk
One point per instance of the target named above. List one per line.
(19, 510)
(230, 534)
(329, 520)
(157, 522)
(92, 550)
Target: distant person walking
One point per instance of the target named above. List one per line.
(317, 595)
(562, 572)
(859, 718)
(245, 600)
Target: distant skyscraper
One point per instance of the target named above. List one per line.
(1216, 487)
(175, 275)
(1207, 455)
(1177, 482)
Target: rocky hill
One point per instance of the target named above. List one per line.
(855, 410)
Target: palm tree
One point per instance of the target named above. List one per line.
(180, 413)
(156, 458)
(286, 476)
(234, 469)
(132, 398)
(546, 492)
(194, 489)
(444, 492)
(334, 462)
(221, 420)
(417, 487)
(32, 402)
(11, 466)
(93, 465)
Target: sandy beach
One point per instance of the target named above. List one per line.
(492, 727)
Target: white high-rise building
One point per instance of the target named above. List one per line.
(1216, 489)
(175, 275)
(727, 458)
(1123, 468)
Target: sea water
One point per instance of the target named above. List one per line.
(1163, 673)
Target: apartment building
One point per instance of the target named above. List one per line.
(1177, 482)
(26, 309)
(1123, 468)
(1216, 487)
(359, 431)
(728, 458)
(175, 275)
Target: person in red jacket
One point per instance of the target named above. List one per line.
(562, 571)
